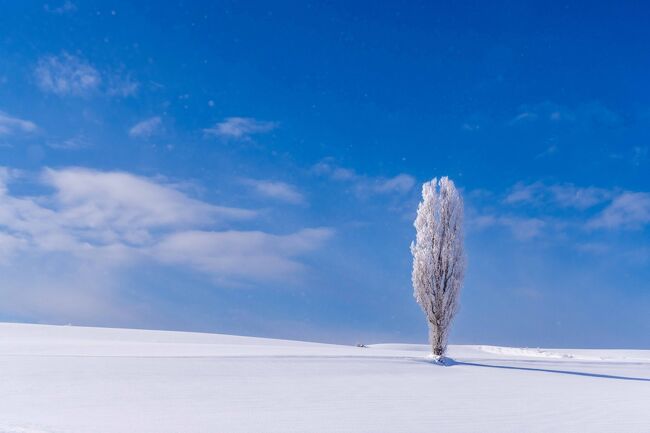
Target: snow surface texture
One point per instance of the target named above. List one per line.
(87, 380)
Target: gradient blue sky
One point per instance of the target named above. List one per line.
(251, 168)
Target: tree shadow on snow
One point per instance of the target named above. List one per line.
(451, 362)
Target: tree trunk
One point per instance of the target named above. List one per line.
(437, 341)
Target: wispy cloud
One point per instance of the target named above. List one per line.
(10, 125)
(121, 85)
(522, 228)
(77, 142)
(593, 247)
(281, 191)
(639, 155)
(70, 75)
(65, 8)
(586, 114)
(66, 75)
(563, 195)
(532, 210)
(328, 168)
(401, 183)
(368, 185)
(476, 122)
(522, 117)
(629, 210)
(240, 128)
(146, 128)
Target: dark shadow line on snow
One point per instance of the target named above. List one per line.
(450, 362)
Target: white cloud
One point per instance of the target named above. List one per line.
(118, 205)
(110, 223)
(108, 212)
(241, 256)
(10, 125)
(240, 128)
(67, 75)
(276, 190)
(146, 128)
(7, 175)
(629, 210)
(8, 245)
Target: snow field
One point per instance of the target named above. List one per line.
(92, 380)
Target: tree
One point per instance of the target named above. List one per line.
(438, 258)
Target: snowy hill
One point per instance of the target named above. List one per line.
(92, 380)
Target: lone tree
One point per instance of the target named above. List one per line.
(438, 258)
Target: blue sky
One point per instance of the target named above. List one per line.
(255, 169)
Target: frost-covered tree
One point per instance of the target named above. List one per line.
(438, 258)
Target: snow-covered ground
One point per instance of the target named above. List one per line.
(86, 380)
